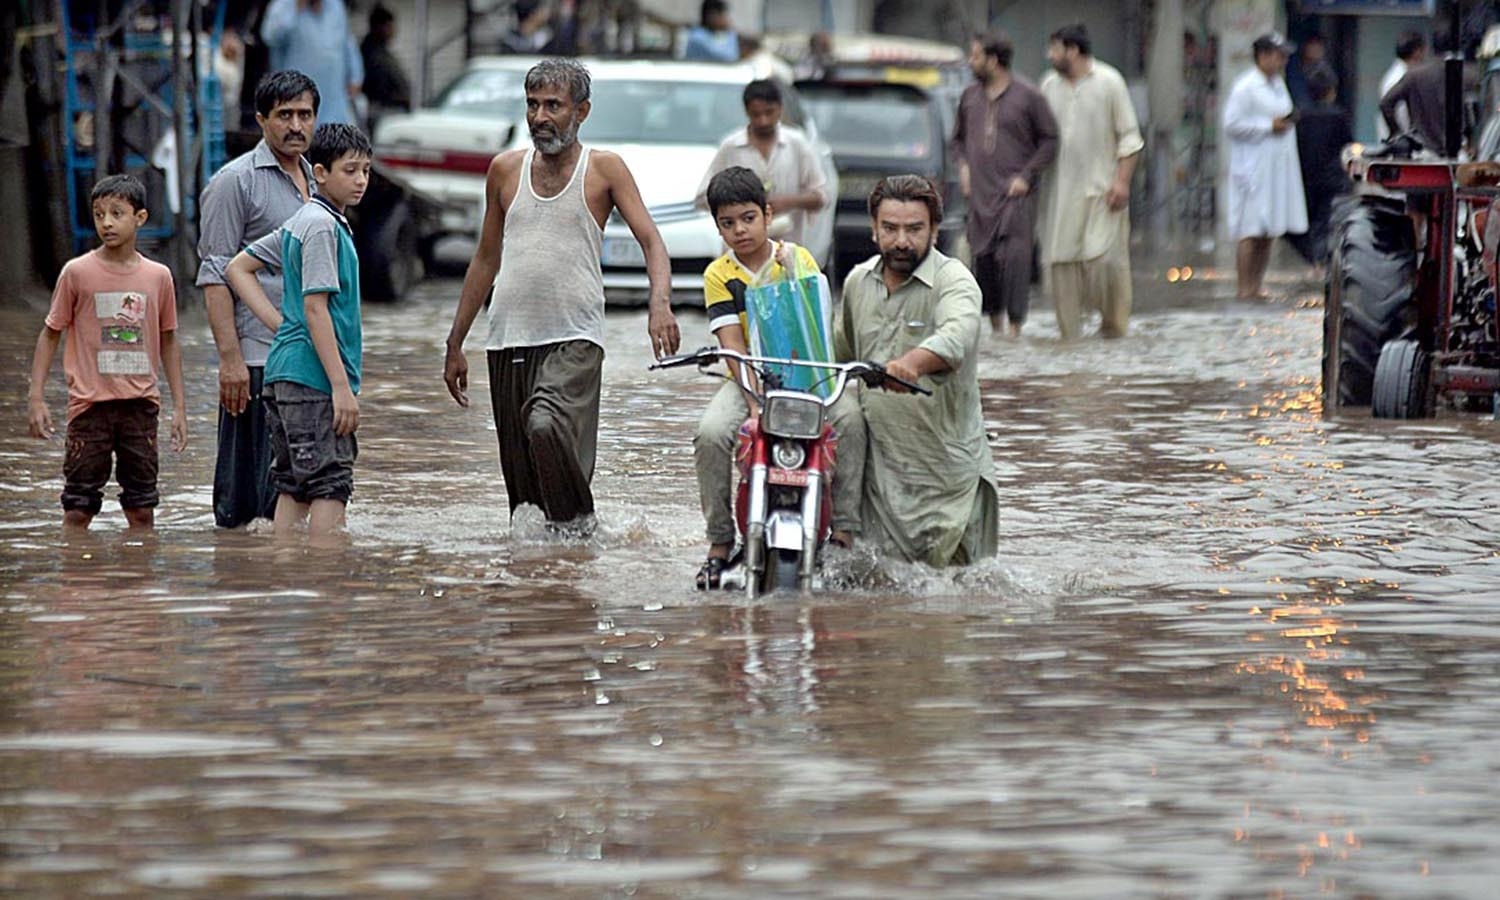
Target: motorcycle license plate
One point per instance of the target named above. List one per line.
(794, 477)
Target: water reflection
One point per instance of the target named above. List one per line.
(1229, 649)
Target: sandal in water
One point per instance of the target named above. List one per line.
(710, 573)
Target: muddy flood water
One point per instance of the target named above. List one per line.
(1228, 650)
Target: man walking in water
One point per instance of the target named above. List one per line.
(1005, 138)
(545, 210)
(1086, 238)
(246, 200)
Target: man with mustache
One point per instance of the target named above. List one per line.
(251, 196)
(539, 246)
(930, 494)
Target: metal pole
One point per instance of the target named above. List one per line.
(104, 92)
(424, 57)
(183, 25)
(1453, 87)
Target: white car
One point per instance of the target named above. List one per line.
(664, 118)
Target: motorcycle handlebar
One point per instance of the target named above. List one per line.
(878, 375)
(871, 373)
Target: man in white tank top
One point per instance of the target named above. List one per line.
(545, 210)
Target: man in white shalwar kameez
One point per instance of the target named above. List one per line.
(1085, 234)
(1265, 179)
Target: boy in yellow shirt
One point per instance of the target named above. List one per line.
(737, 201)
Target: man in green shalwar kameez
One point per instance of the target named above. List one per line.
(930, 493)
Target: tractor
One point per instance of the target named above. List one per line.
(1409, 320)
(1409, 323)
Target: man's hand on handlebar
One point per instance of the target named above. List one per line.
(702, 356)
(900, 377)
(897, 375)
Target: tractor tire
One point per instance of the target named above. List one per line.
(1401, 380)
(1368, 297)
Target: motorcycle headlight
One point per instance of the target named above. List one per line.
(792, 416)
(788, 454)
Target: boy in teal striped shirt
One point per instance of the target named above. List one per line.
(313, 371)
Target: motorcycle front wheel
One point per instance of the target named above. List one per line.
(780, 573)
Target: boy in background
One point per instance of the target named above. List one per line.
(313, 369)
(737, 200)
(120, 312)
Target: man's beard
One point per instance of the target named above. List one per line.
(554, 142)
(905, 262)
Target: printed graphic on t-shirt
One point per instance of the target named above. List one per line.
(122, 340)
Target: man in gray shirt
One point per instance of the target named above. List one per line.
(248, 198)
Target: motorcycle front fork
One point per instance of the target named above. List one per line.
(755, 532)
(812, 497)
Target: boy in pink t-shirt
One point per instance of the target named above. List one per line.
(120, 312)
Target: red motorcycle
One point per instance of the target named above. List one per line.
(786, 461)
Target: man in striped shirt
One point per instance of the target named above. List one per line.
(245, 200)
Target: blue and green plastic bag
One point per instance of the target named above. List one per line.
(792, 318)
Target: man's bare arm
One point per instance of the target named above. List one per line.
(480, 276)
(626, 197)
(234, 375)
(241, 277)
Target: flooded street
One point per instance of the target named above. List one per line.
(1228, 649)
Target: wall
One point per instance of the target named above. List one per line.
(15, 234)
(16, 247)
(807, 15)
(444, 18)
(1029, 22)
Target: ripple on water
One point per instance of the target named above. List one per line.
(1228, 649)
(139, 744)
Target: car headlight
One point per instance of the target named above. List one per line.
(788, 454)
(792, 416)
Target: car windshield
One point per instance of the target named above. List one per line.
(642, 112)
(487, 92)
(888, 121)
(663, 112)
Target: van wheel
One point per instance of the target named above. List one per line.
(391, 260)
